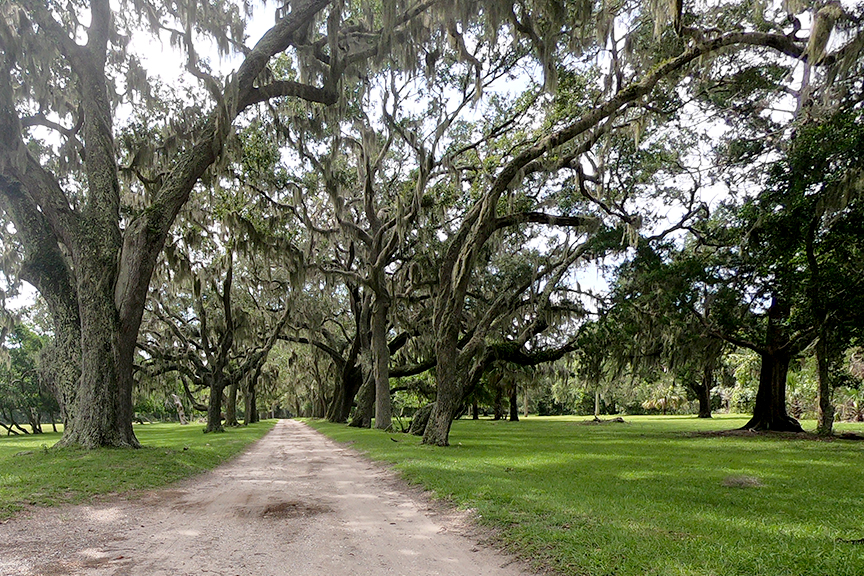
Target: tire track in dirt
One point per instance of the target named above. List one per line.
(294, 504)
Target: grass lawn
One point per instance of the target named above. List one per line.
(33, 474)
(646, 497)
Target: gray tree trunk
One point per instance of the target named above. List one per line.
(250, 398)
(825, 426)
(703, 391)
(381, 364)
(449, 397)
(365, 405)
(231, 405)
(514, 406)
(214, 405)
(421, 420)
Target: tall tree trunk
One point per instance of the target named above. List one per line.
(475, 411)
(252, 416)
(825, 426)
(770, 410)
(514, 407)
(351, 371)
(703, 391)
(449, 398)
(231, 405)
(34, 418)
(251, 397)
(381, 364)
(101, 414)
(334, 410)
(214, 407)
(494, 382)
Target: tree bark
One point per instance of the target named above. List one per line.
(421, 420)
(231, 405)
(351, 375)
(498, 398)
(770, 410)
(349, 385)
(101, 414)
(251, 397)
(381, 363)
(181, 413)
(514, 407)
(365, 405)
(214, 406)
(35, 420)
(449, 398)
(703, 391)
(825, 426)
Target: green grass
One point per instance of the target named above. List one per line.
(31, 473)
(647, 497)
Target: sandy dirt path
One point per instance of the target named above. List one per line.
(296, 503)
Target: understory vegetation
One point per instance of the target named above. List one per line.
(652, 496)
(32, 474)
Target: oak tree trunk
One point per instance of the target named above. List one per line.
(98, 410)
(703, 391)
(214, 406)
(251, 398)
(349, 385)
(420, 420)
(770, 410)
(449, 398)
(825, 426)
(381, 363)
(514, 408)
(365, 405)
(231, 405)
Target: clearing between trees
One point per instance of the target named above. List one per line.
(295, 503)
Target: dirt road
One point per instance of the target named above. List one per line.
(295, 504)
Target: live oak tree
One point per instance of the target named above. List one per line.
(64, 71)
(810, 215)
(374, 196)
(217, 333)
(785, 240)
(91, 261)
(646, 331)
(91, 240)
(560, 148)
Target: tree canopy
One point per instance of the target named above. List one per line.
(401, 187)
